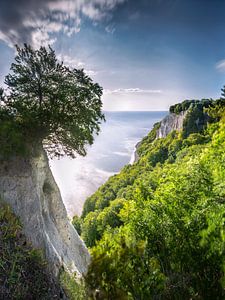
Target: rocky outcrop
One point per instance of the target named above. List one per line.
(135, 156)
(189, 117)
(28, 186)
(171, 122)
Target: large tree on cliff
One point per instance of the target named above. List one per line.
(51, 103)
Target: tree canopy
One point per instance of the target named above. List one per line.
(156, 229)
(46, 101)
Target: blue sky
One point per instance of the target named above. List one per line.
(146, 54)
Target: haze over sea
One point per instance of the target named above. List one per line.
(113, 148)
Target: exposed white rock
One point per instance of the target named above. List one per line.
(169, 123)
(29, 187)
(135, 156)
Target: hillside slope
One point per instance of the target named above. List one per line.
(156, 230)
(23, 271)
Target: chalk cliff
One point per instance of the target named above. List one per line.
(28, 186)
(171, 122)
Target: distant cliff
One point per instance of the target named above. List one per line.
(171, 122)
(188, 117)
(28, 186)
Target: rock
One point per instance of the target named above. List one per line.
(135, 156)
(171, 122)
(28, 186)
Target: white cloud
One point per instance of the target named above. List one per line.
(37, 21)
(70, 61)
(131, 91)
(221, 65)
(90, 72)
(110, 29)
(41, 37)
(76, 63)
(9, 37)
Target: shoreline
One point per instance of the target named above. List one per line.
(135, 156)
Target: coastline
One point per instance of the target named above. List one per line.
(135, 156)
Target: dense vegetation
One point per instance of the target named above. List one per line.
(156, 230)
(47, 103)
(186, 104)
(23, 271)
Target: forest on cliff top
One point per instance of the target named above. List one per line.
(156, 229)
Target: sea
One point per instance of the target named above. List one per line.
(112, 149)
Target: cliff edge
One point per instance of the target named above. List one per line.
(188, 117)
(28, 186)
(171, 122)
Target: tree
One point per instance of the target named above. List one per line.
(51, 103)
(223, 93)
(167, 240)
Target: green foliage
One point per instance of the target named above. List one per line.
(186, 104)
(50, 103)
(74, 288)
(156, 230)
(216, 110)
(108, 192)
(23, 272)
(96, 222)
(11, 138)
(77, 224)
(148, 139)
(125, 271)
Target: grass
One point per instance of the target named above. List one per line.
(23, 271)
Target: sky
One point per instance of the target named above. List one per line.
(146, 54)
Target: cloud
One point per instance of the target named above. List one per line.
(110, 28)
(90, 72)
(38, 22)
(70, 61)
(76, 63)
(221, 65)
(131, 91)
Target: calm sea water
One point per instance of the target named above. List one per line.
(113, 148)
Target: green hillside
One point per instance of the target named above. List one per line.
(156, 230)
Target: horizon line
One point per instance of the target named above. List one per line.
(135, 110)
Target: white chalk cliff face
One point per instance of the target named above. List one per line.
(168, 124)
(171, 122)
(28, 186)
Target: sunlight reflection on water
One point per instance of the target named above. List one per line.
(112, 149)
